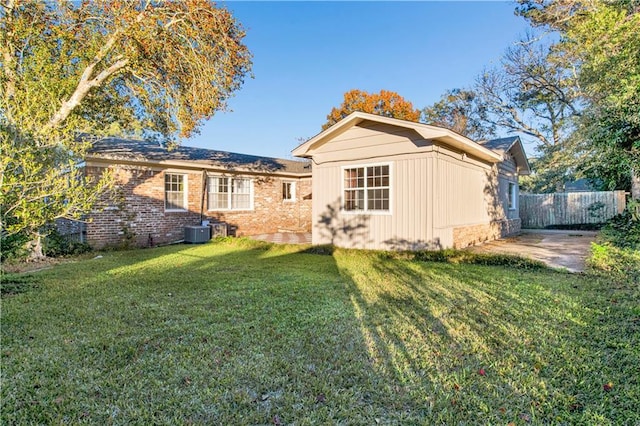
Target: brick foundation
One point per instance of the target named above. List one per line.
(133, 213)
(476, 234)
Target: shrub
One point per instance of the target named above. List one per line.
(57, 245)
(623, 230)
(14, 246)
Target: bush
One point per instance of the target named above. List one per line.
(623, 230)
(57, 245)
(14, 246)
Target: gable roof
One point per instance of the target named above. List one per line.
(140, 151)
(512, 145)
(426, 131)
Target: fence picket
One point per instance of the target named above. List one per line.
(569, 208)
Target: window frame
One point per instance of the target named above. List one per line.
(292, 191)
(185, 192)
(230, 185)
(366, 188)
(512, 199)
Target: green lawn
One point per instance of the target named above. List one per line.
(240, 332)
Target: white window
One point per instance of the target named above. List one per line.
(367, 188)
(175, 192)
(289, 191)
(229, 193)
(512, 195)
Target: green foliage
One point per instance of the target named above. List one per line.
(99, 68)
(58, 245)
(601, 41)
(238, 332)
(458, 110)
(618, 254)
(623, 230)
(529, 93)
(13, 246)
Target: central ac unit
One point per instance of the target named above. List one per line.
(218, 230)
(196, 234)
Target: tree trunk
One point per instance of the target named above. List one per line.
(35, 248)
(635, 184)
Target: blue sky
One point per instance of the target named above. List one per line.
(306, 55)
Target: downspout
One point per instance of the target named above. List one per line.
(204, 191)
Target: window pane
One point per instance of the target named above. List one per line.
(240, 201)
(174, 198)
(354, 178)
(241, 186)
(378, 199)
(218, 193)
(354, 200)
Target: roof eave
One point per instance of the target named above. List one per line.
(428, 132)
(524, 168)
(193, 165)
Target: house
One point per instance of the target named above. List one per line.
(158, 192)
(384, 183)
(377, 183)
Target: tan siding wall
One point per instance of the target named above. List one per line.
(409, 224)
(460, 193)
(439, 197)
(438, 200)
(359, 143)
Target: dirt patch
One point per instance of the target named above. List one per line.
(558, 249)
(32, 265)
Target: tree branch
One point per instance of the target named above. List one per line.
(86, 82)
(8, 53)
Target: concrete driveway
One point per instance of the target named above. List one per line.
(558, 249)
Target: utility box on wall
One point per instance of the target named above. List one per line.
(196, 234)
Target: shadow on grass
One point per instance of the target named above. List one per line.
(254, 333)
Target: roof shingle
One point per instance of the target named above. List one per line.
(138, 150)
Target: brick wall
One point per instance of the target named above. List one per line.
(466, 236)
(133, 213)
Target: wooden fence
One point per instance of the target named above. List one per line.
(569, 208)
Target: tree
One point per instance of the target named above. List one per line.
(156, 68)
(459, 110)
(528, 94)
(385, 103)
(606, 39)
(603, 38)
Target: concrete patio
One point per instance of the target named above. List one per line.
(284, 237)
(556, 248)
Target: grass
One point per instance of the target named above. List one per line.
(240, 332)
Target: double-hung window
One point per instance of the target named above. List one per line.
(229, 193)
(367, 188)
(175, 194)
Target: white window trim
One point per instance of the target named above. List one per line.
(513, 196)
(366, 211)
(231, 178)
(293, 198)
(185, 195)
